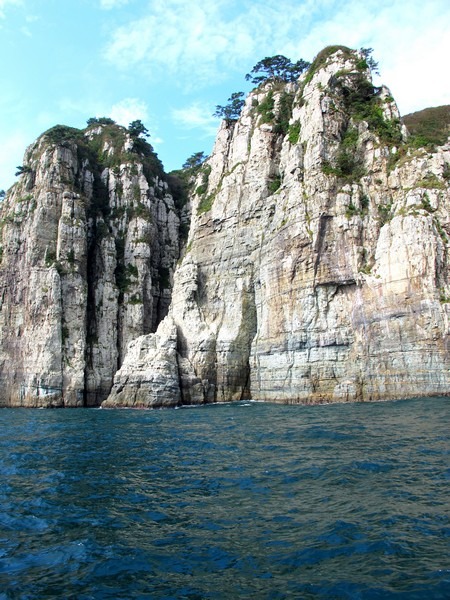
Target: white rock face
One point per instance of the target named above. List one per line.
(152, 363)
(88, 253)
(316, 268)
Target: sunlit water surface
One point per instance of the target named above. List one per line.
(227, 501)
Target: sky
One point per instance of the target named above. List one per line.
(169, 63)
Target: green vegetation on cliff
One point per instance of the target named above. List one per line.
(322, 57)
(103, 143)
(231, 111)
(181, 181)
(277, 69)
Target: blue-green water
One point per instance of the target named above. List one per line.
(227, 501)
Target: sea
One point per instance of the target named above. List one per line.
(227, 501)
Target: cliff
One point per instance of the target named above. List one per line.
(315, 269)
(90, 237)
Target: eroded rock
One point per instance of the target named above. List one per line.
(316, 268)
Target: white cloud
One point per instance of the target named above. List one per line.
(420, 81)
(12, 150)
(184, 37)
(411, 43)
(196, 116)
(199, 43)
(129, 109)
(122, 112)
(5, 3)
(108, 4)
(133, 109)
(73, 108)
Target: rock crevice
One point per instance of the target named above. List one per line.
(89, 245)
(317, 269)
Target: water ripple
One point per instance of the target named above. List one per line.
(247, 500)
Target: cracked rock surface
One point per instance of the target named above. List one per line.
(88, 253)
(316, 268)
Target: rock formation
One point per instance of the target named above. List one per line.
(315, 269)
(90, 241)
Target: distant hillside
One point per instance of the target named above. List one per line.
(429, 126)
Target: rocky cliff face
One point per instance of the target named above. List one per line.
(90, 237)
(316, 267)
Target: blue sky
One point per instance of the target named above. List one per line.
(170, 62)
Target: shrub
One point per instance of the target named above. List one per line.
(61, 134)
(50, 257)
(362, 101)
(275, 184)
(142, 211)
(440, 230)
(294, 132)
(351, 210)
(284, 113)
(203, 187)
(384, 213)
(136, 192)
(426, 205)
(100, 121)
(328, 169)
(364, 201)
(321, 59)
(431, 181)
(135, 299)
(179, 187)
(266, 107)
(132, 270)
(348, 161)
(205, 204)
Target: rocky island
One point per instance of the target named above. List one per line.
(308, 262)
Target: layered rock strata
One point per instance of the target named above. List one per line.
(90, 238)
(316, 268)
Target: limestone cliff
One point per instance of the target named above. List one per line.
(316, 267)
(90, 238)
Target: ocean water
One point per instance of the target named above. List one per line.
(228, 501)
